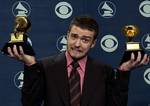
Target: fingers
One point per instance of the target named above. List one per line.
(138, 59)
(139, 56)
(145, 59)
(142, 60)
(132, 57)
(132, 60)
(14, 52)
(135, 62)
(21, 50)
(10, 52)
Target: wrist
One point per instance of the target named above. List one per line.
(30, 63)
(121, 68)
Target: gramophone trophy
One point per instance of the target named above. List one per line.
(19, 37)
(130, 31)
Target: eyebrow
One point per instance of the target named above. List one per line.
(83, 36)
(88, 37)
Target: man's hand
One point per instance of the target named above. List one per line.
(133, 63)
(27, 59)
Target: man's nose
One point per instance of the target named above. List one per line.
(77, 42)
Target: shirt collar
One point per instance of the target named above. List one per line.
(81, 62)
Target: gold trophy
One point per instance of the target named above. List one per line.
(130, 31)
(19, 37)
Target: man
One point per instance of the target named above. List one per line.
(49, 80)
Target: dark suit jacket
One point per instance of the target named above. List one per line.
(47, 82)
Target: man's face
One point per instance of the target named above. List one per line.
(79, 41)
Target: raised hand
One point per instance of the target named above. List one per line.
(21, 56)
(134, 63)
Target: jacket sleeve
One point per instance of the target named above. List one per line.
(117, 87)
(33, 87)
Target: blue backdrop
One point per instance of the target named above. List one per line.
(50, 20)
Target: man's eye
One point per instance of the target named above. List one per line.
(74, 36)
(85, 40)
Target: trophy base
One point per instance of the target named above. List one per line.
(127, 55)
(27, 48)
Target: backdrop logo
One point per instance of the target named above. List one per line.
(147, 76)
(107, 9)
(18, 79)
(21, 8)
(63, 10)
(144, 8)
(62, 43)
(146, 42)
(109, 43)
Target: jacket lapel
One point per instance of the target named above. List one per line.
(62, 79)
(63, 85)
(89, 83)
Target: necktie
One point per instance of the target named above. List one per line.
(74, 84)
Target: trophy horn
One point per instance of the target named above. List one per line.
(130, 31)
(22, 24)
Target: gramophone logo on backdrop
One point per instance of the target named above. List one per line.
(147, 76)
(109, 43)
(107, 9)
(146, 42)
(61, 43)
(21, 8)
(144, 8)
(18, 79)
(63, 10)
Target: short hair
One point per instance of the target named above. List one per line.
(85, 22)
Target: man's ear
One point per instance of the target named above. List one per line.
(93, 44)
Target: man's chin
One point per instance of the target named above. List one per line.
(77, 57)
